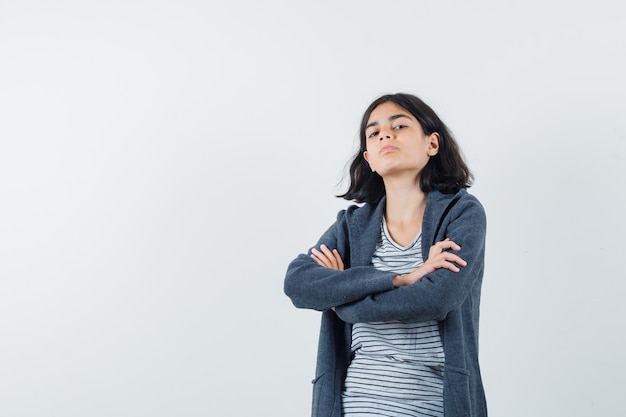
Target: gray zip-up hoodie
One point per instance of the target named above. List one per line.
(361, 293)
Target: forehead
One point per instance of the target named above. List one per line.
(385, 110)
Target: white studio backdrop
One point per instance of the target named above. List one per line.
(161, 163)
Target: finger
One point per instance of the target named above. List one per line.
(442, 243)
(450, 257)
(443, 248)
(329, 256)
(442, 263)
(447, 244)
(454, 246)
(338, 259)
(451, 266)
(320, 258)
(455, 258)
(317, 260)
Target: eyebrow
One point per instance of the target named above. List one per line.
(391, 118)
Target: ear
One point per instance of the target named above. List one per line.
(368, 161)
(433, 144)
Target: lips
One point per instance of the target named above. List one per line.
(387, 149)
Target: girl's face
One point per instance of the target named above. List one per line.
(396, 143)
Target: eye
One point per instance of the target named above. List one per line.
(398, 127)
(373, 134)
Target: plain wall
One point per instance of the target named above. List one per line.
(162, 162)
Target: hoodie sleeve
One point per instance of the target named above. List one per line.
(312, 286)
(439, 292)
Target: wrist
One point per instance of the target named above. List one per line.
(398, 281)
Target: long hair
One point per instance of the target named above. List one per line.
(446, 171)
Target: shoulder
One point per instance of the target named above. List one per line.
(459, 206)
(360, 222)
(469, 211)
(438, 201)
(361, 213)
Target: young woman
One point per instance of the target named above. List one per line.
(398, 278)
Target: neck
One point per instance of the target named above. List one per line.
(405, 201)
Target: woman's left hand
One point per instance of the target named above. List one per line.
(327, 258)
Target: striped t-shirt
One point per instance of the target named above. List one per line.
(397, 369)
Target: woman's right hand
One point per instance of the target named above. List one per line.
(327, 258)
(438, 257)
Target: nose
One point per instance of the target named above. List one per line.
(384, 134)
